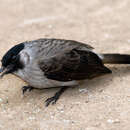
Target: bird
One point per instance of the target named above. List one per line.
(51, 62)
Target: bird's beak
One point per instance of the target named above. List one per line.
(3, 71)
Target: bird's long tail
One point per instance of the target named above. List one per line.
(115, 58)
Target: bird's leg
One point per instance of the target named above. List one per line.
(26, 88)
(54, 99)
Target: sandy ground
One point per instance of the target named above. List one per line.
(99, 104)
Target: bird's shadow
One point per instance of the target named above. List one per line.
(95, 84)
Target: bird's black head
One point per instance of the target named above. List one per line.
(11, 60)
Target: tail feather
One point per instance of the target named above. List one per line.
(115, 58)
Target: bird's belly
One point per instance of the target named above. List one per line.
(38, 80)
(47, 83)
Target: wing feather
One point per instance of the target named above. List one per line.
(73, 65)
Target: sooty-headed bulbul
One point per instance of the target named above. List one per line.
(47, 63)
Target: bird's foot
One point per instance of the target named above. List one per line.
(26, 88)
(54, 99)
(51, 100)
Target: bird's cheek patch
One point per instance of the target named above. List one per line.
(24, 58)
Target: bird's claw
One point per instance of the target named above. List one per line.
(51, 100)
(26, 88)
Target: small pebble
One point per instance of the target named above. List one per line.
(113, 121)
(37, 110)
(101, 90)
(84, 90)
(86, 101)
(31, 118)
(4, 101)
(110, 121)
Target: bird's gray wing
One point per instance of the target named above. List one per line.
(73, 65)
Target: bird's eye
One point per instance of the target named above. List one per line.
(14, 57)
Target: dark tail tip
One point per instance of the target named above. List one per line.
(116, 58)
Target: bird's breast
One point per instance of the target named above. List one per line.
(35, 78)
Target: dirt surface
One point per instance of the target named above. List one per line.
(99, 104)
